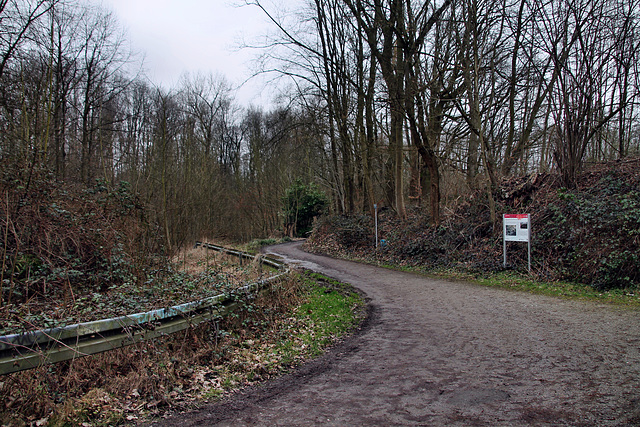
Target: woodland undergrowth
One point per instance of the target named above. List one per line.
(62, 242)
(588, 234)
(72, 254)
(267, 336)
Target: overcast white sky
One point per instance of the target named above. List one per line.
(195, 36)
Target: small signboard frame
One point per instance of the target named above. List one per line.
(516, 228)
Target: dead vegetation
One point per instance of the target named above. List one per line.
(59, 241)
(194, 275)
(79, 254)
(73, 254)
(155, 378)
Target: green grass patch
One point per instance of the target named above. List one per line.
(331, 311)
(521, 282)
(254, 246)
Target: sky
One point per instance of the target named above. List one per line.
(178, 36)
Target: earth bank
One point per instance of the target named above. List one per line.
(588, 234)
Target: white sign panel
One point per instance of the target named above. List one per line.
(516, 227)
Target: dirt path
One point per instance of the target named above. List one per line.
(444, 353)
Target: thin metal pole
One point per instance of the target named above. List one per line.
(504, 243)
(529, 241)
(504, 249)
(375, 207)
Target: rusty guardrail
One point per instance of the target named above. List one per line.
(19, 352)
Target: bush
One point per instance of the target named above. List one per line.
(302, 203)
(594, 233)
(356, 230)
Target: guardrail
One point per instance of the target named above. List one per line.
(19, 352)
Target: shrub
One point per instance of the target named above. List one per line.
(301, 204)
(593, 233)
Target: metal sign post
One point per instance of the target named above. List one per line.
(375, 208)
(516, 228)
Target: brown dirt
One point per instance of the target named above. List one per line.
(445, 353)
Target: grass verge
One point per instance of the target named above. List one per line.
(518, 281)
(330, 312)
(515, 281)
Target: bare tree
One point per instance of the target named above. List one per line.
(394, 41)
(104, 56)
(432, 86)
(590, 91)
(17, 18)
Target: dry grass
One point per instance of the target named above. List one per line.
(197, 260)
(193, 274)
(153, 378)
(132, 384)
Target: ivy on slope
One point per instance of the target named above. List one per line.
(588, 234)
(593, 233)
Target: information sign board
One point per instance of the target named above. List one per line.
(516, 228)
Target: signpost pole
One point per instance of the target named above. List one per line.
(504, 249)
(375, 208)
(529, 244)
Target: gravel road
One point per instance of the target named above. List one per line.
(436, 352)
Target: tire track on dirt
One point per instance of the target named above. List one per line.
(446, 353)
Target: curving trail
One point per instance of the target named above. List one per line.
(435, 352)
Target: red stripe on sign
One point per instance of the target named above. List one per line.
(517, 216)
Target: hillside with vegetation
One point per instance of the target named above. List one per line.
(588, 234)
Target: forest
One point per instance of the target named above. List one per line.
(400, 103)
